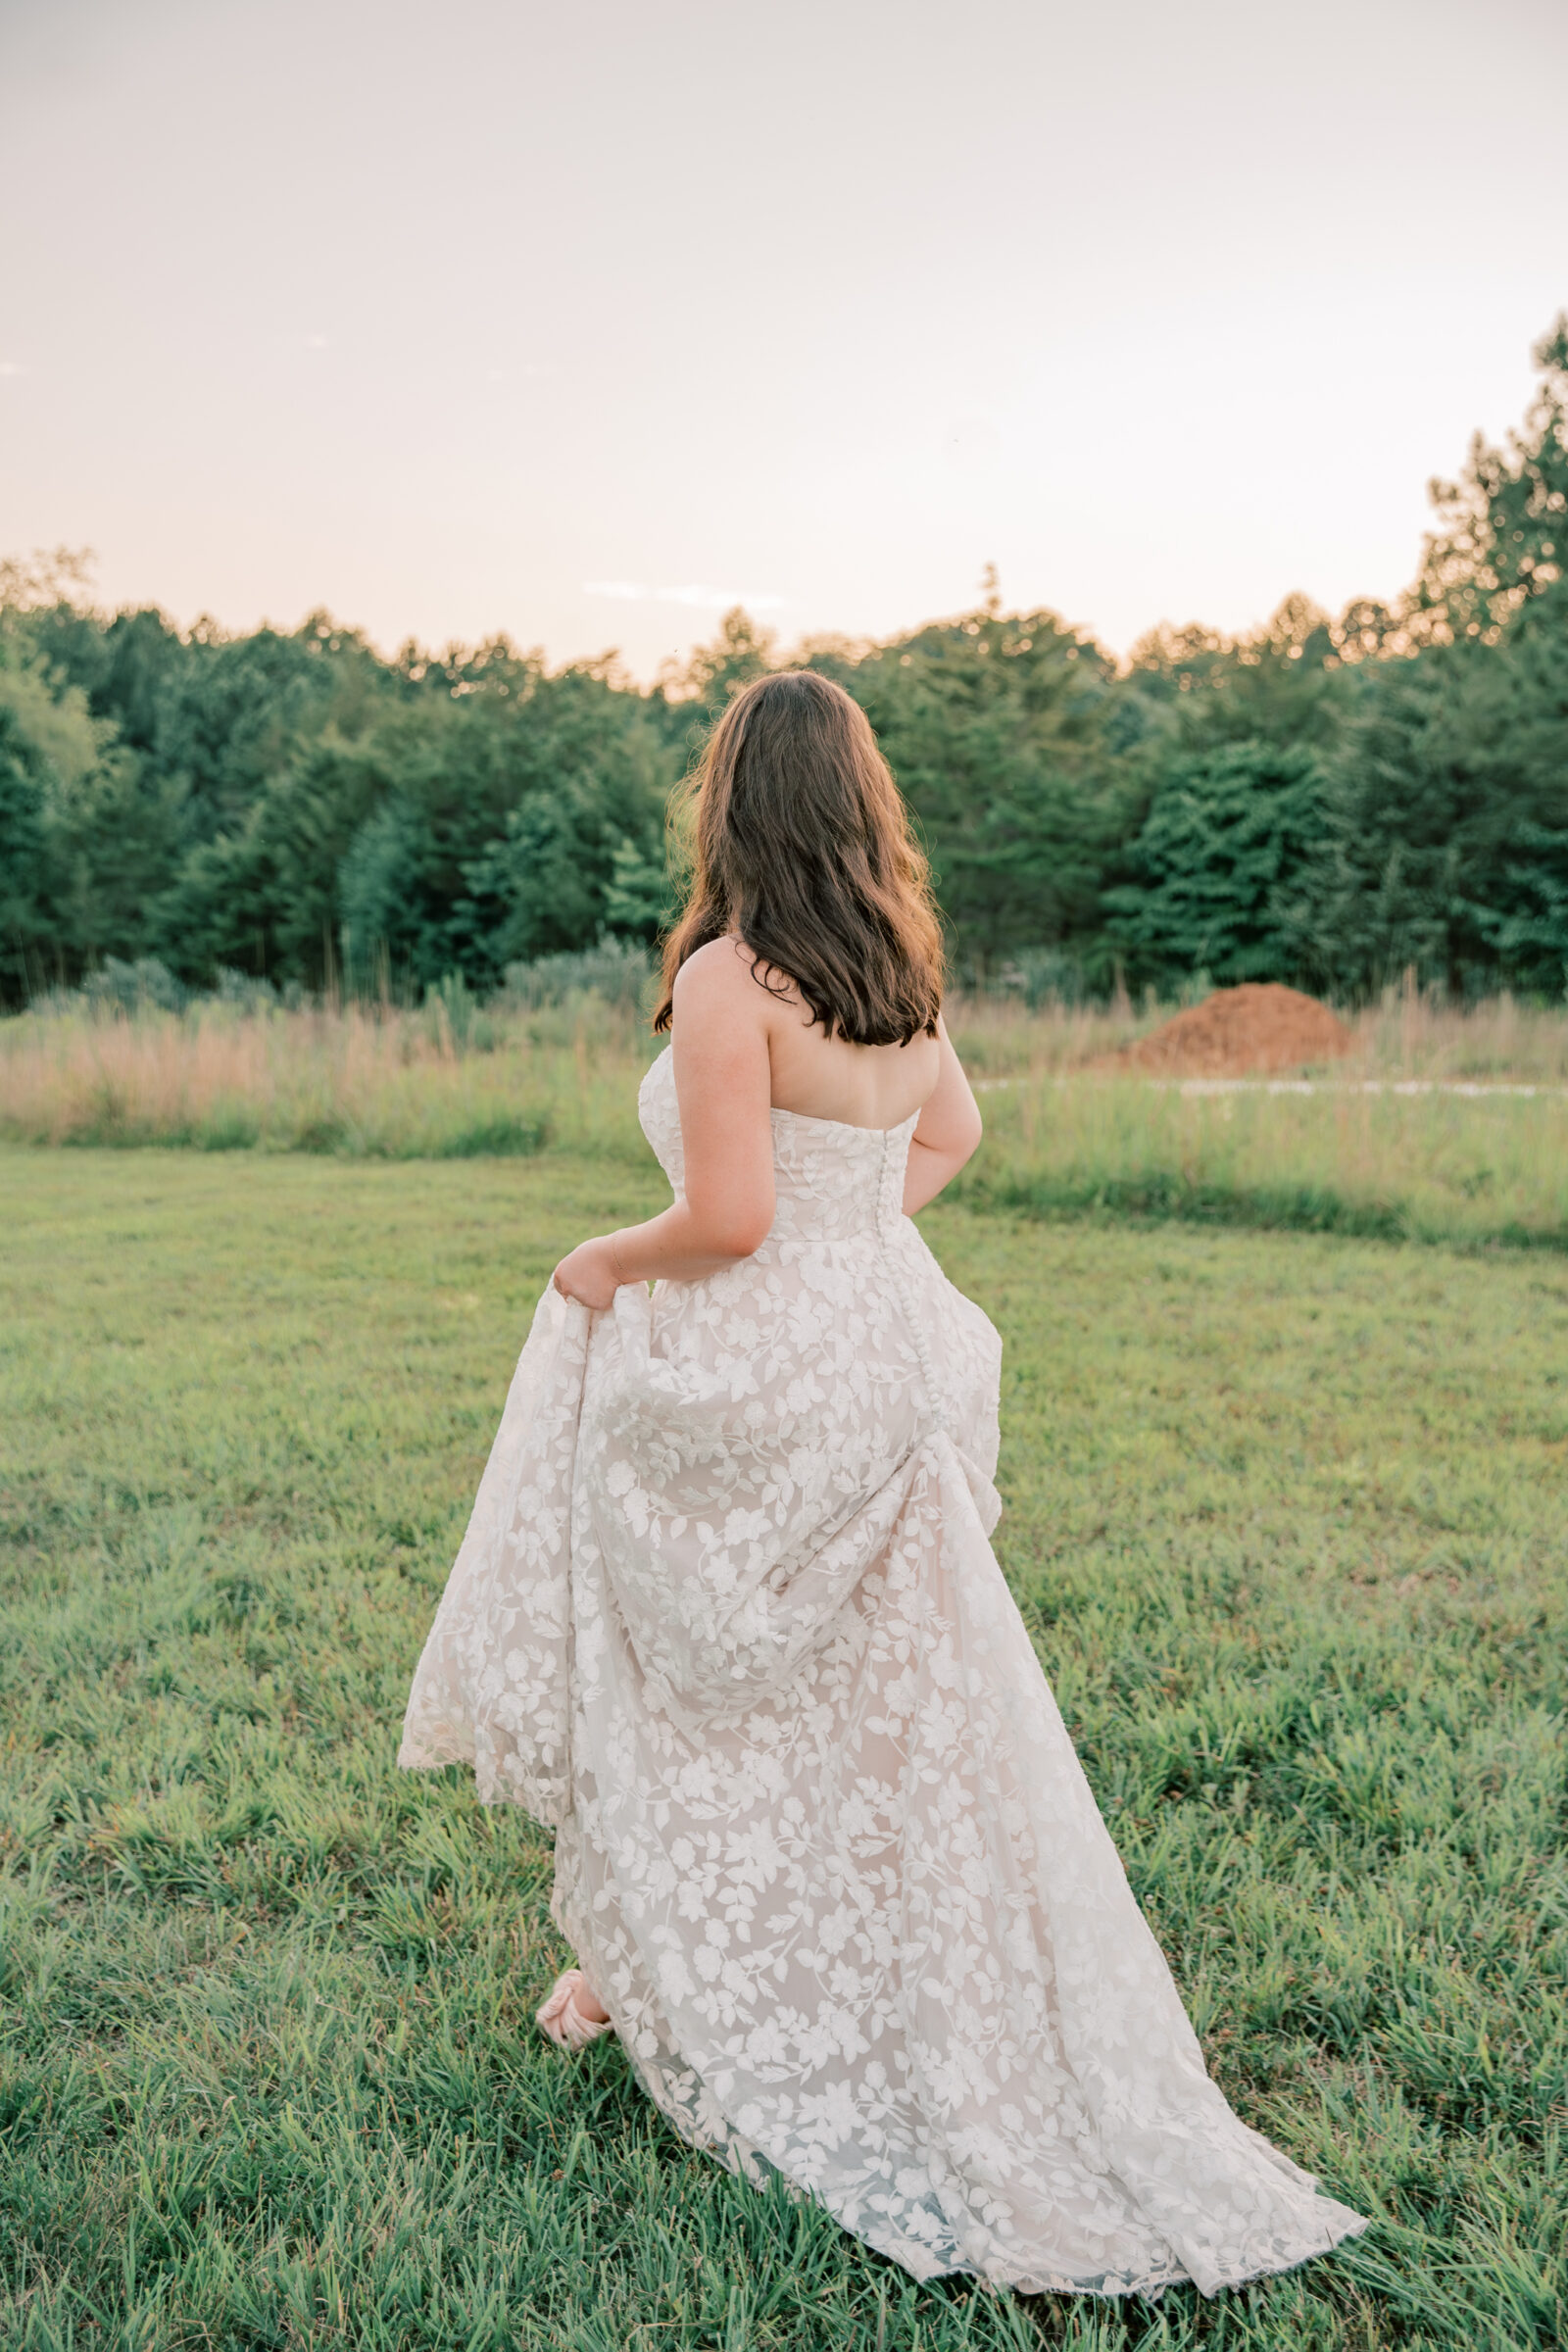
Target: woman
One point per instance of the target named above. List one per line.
(727, 1617)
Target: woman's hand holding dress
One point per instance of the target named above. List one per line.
(591, 1272)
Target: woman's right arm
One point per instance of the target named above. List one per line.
(723, 1084)
(946, 1134)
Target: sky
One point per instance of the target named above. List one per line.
(585, 322)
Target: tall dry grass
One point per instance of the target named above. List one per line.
(356, 1080)
(1408, 1034)
(1062, 1137)
(1432, 1165)
(1383, 1142)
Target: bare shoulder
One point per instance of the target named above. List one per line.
(720, 1035)
(716, 984)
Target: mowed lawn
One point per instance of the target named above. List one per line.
(1289, 1519)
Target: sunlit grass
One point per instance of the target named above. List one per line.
(1286, 1517)
(358, 1082)
(1406, 1034)
(1064, 1136)
(1431, 1166)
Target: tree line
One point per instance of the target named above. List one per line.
(1326, 801)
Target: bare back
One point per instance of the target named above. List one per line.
(821, 1077)
(741, 1051)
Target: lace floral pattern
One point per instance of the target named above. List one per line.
(727, 1617)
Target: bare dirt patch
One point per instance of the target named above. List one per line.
(1259, 1026)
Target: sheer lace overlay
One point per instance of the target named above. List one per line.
(726, 1616)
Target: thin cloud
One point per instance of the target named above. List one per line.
(697, 594)
(9, 368)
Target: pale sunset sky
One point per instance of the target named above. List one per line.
(584, 321)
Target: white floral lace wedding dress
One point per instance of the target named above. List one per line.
(726, 1616)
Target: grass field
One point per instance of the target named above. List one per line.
(1287, 1516)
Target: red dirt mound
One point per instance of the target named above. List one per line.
(1256, 1027)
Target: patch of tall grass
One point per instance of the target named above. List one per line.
(1431, 1166)
(1406, 1034)
(448, 1081)
(554, 1063)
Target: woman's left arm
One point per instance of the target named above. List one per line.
(723, 1084)
(946, 1134)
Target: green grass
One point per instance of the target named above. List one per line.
(1287, 1517)
(1466, 1171)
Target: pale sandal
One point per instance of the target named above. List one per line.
(561, 2021)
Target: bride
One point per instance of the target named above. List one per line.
(727, 1617)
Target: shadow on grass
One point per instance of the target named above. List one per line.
(1167, 1199)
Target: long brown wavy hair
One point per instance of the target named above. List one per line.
(802, 843)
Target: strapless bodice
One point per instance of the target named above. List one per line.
(832, 1181)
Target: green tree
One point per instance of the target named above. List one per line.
(1445, 817)
(106, 847)
(1218, 869)
(1283, 683)
(993, 725)
(1502, 527)
(29, 913)
(585, 836)
(263, 897)
(698, 688)
(640, 895)
(502, 797)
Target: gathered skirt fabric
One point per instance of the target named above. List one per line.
(728, 1619)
